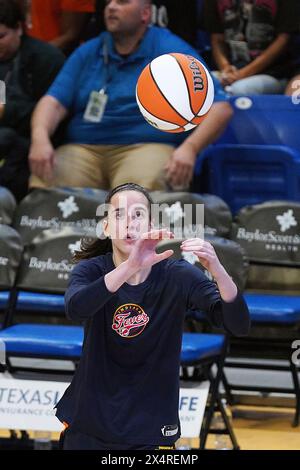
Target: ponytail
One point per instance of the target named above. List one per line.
(90, 249)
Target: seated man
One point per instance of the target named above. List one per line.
(121, 146)
(250, 41)
(27, 68)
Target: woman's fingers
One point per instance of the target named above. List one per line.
(158, 234)
(164, 255)
(200, 241)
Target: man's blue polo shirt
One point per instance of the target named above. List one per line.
(86, 70)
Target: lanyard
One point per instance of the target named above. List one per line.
(107, 73)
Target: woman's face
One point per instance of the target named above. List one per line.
(128, 218)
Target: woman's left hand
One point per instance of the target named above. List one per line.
(206, 254)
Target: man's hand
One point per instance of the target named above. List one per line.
(41, 159)
(180, 168)
(229, 75)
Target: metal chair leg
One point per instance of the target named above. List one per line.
(228, 425)
(297, 393)
(215, 382)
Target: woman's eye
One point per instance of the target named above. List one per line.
(119, 215)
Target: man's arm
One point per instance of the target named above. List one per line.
(48, 114)
(267, 58)
(218, 47)
(180, 168)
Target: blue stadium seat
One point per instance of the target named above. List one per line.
(35, 301)
(198, 346)
(249, 174)
(43, 340)
(257, 157)
(65, 342)
(265, 120)
(274, 309)
(4, 297)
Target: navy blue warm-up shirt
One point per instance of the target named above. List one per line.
(126, 387)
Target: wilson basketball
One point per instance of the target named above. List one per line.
(175, 92)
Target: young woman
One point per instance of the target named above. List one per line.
(124, 394)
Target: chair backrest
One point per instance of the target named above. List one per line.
(250, 174)
(47, 261)
(181, 207)
(269, 233)
(264, 119)
(10, 256)
(55, 209)
(230, 253)
(7, 206)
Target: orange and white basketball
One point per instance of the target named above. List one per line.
(175, 92)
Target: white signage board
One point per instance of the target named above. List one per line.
(29, 405)
(192, 403)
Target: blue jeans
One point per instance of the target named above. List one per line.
(257, 85)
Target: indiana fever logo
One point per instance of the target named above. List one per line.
(129, 320)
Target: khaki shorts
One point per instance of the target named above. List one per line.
(107, 166)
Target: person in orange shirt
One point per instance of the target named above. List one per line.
(59, 22)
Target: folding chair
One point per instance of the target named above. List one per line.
(202, 352)
(39, 341)
(231, 255)
(43, 275)
(244, 174)
(275, 321)
(180, 209)
(7, 206)
(10, 255)
(272, 294)
(44, 209)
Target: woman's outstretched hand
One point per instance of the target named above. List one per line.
(143, 254)
(206, 254)
(210, 261)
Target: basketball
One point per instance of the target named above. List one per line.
(175, 92)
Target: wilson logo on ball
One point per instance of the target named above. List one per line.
(175, 92)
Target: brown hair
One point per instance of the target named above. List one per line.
(90, 249)
(11, 13)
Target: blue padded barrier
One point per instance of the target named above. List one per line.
(269, 308)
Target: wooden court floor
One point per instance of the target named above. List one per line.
(261, 428)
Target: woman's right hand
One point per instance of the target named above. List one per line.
(143, 254)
